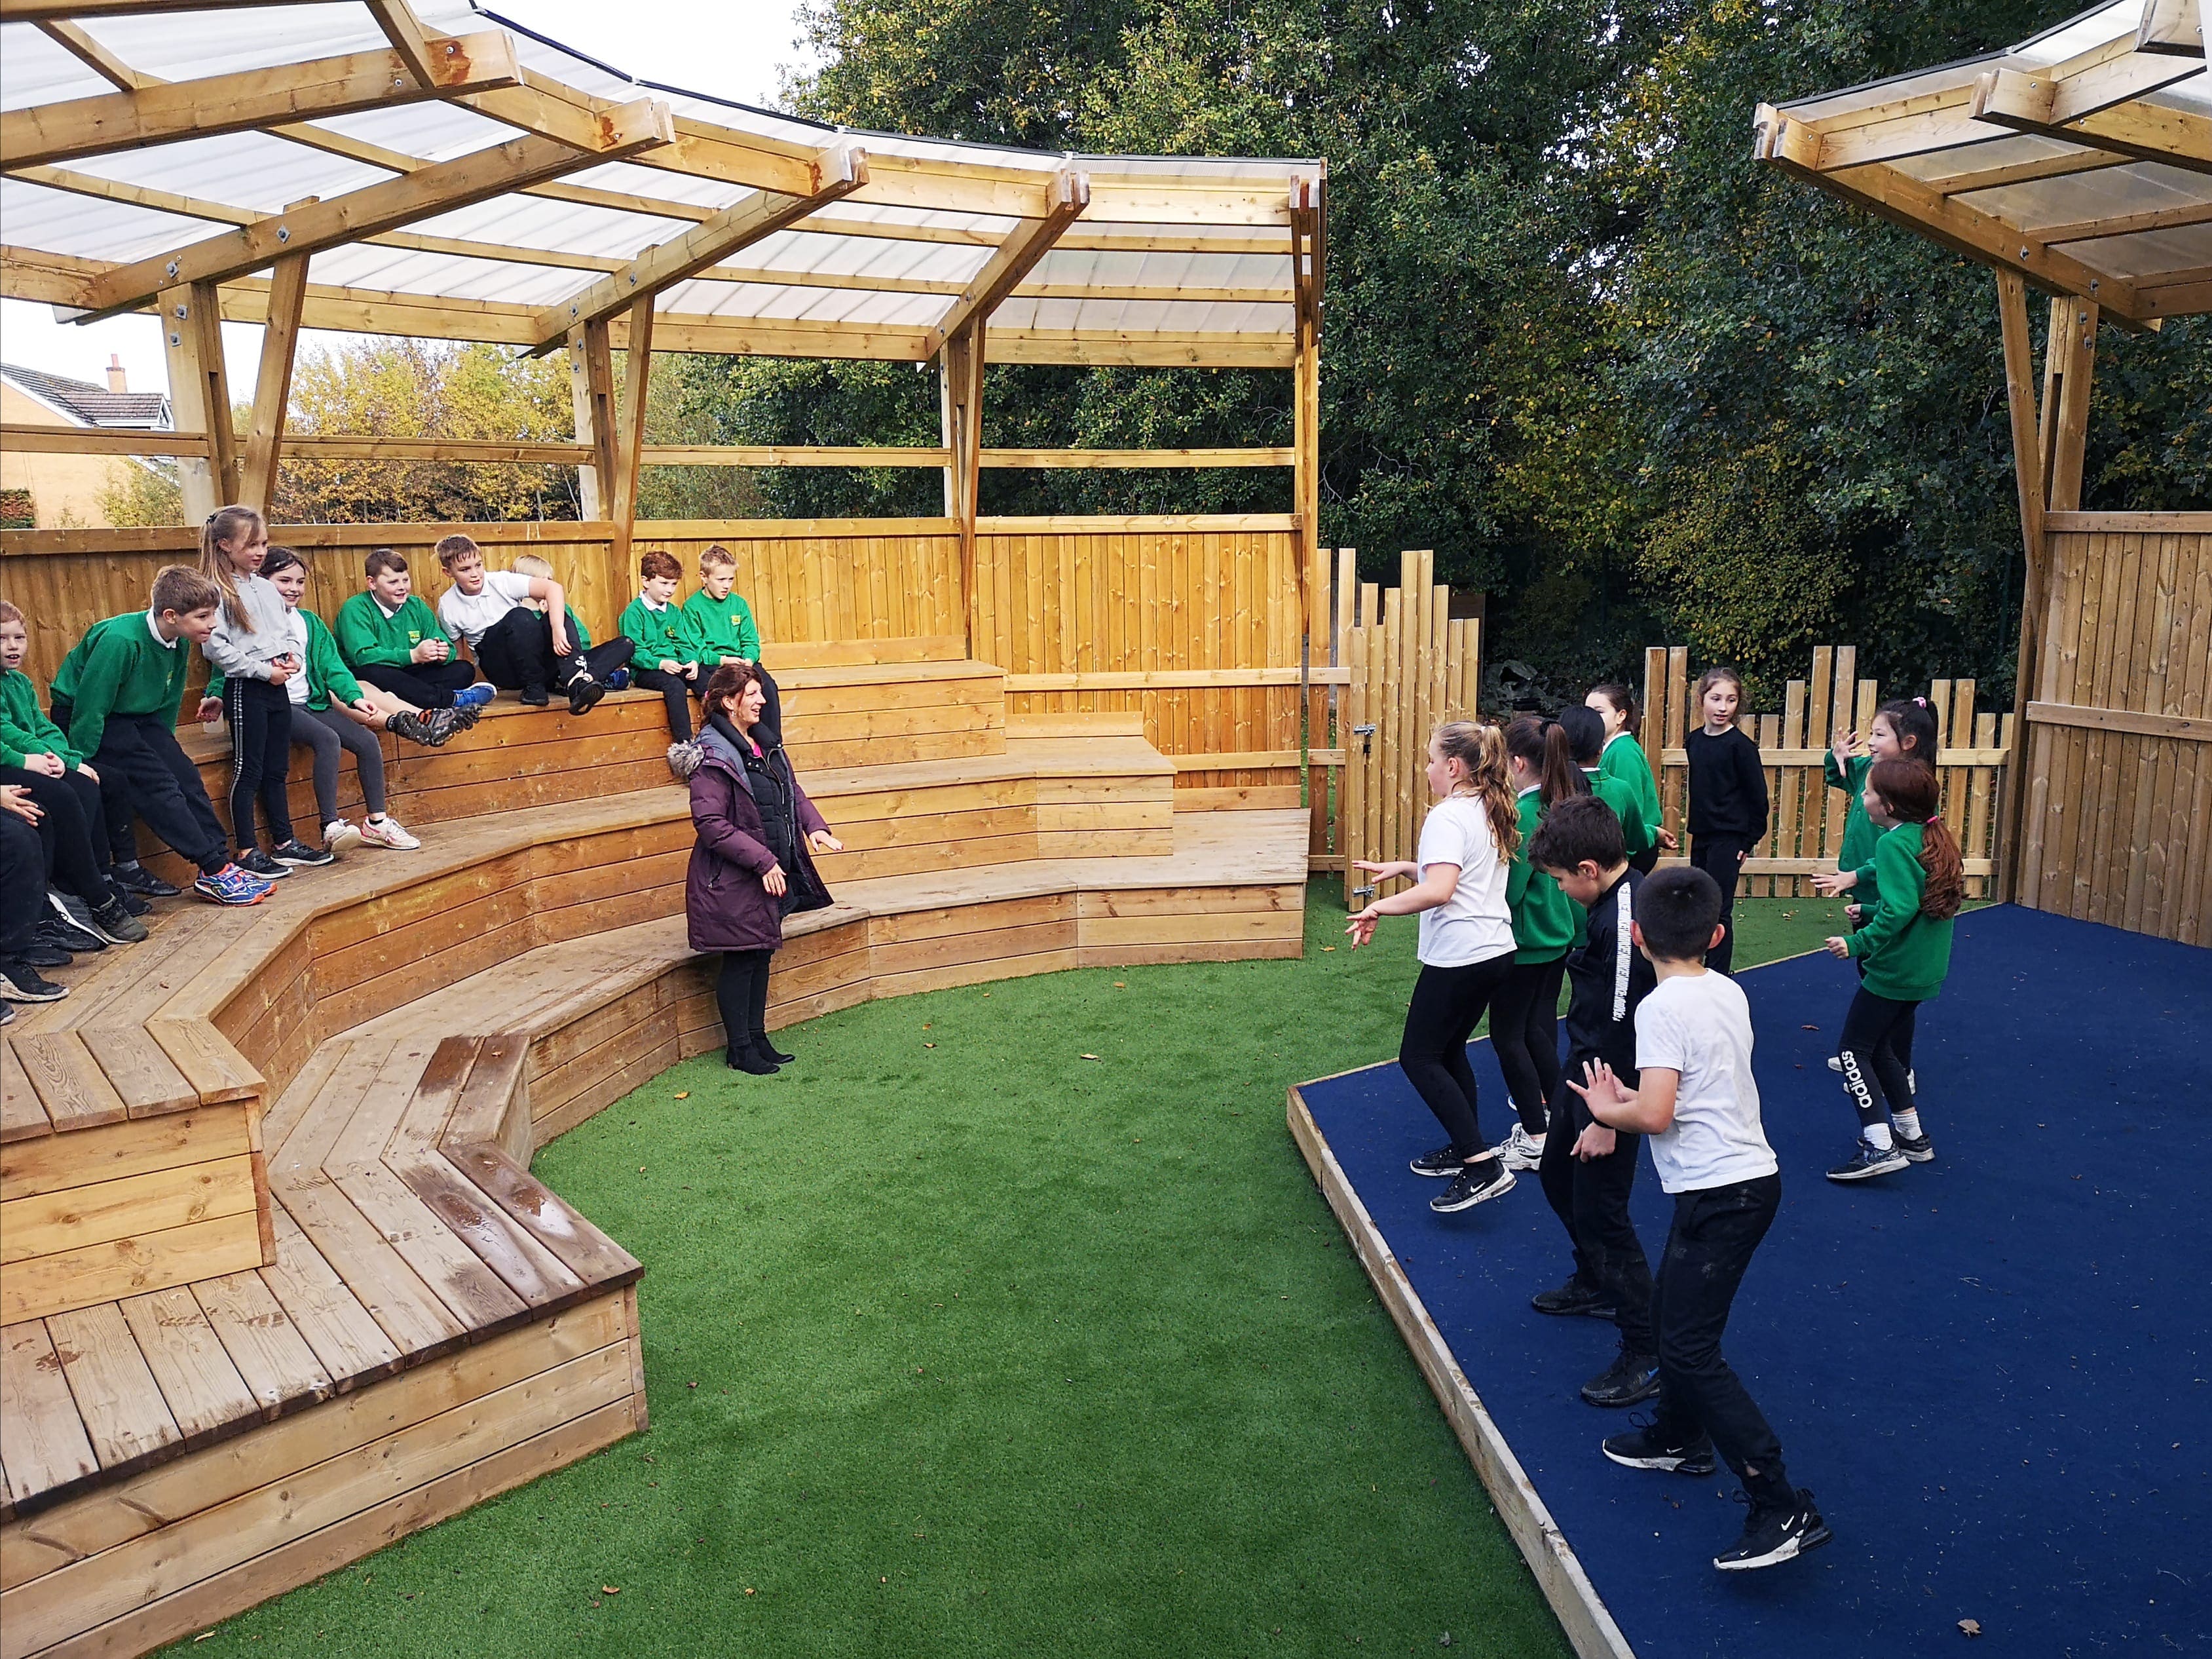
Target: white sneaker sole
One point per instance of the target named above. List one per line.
(1496, 1189)
(1789, 1550)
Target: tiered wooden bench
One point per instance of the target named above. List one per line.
(420, 1323)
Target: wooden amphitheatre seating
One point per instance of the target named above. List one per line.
(278, 1286)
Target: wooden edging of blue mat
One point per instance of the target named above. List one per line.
(1575, 1601)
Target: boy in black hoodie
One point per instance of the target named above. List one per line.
(1588, 1169)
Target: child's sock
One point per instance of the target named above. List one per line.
(1908, 1123)
(1877, 1136)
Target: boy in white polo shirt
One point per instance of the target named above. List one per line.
(518, 648)
(1698, 1104)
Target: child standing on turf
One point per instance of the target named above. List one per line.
(391, 639)
(1524, 1020)
(116, 695)
(663, 661)
(1697, 1100)
(1728, 797)
(1585, 732)
(1589, 1168)
(1904, 952)
(1467, 842)
(719, 628)
(1624, 761)
(250, 649)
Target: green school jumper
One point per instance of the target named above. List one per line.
(659, 635)
(715, 628)
(119, 668)
(365, 634)
(1904, 953)
(1860, 832)
(1544, 917)
(1624, 761)
(1622, 799)
(24, 728)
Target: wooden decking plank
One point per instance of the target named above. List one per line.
(316, 1125)
(43, 1443)
(351, 1345)
(406, 1309)
(69, 1084)
(491, 1086)
(424, 1121)
(475, 1295)
(527, 1267)
(141, 1071)
(368, 1128)
(590, 1254)
(22, 1116)
(205, 1391)
(126, 1416)
(210, 1065)
(278, 1368)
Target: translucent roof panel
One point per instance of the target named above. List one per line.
(2082, 158)
(552, 187)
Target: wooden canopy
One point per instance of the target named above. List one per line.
(2080, 159)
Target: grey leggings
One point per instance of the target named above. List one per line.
(326, 731)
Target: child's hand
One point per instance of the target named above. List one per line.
(1386, 871)
(822, 841)
(1843, 745)
(280, 670)
(668, 665)
(362, 706)
(1839, 945)
(739, 661)
(774, 881)
(1742, 857)
(1363, 926)
(561, 644)
(1855, 914)
(1596, 1141)
(1829, 883)
(85, 767)
(14, 798)
(427, 650)
(1669, 840)
(690, 670)
(47, 765)
(1600, 1086)
(209, 710)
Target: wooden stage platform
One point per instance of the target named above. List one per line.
(279, 1285)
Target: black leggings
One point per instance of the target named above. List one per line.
(1591, 1201)
(677, 692)
(1721, 857)
(741, 994)
(425, 685)
(73, 832)
(1448, 1005)
(1876, 1050)
(260, 716)
(1524, 1029)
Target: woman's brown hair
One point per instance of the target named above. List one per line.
(727, 682)
(1481, 750)
(1543, 746)
(1910, 791)
(228, 524)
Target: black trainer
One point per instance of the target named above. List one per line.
(1630, 1380)
(1576, 1295)
(58, 932)
(1641, 1448)
(136, 903)
(1773, 1534)
(299, 854)
(1440, 1165)
(36, 954)
(584, 692)
(22, 982)
(257, 862)
(113, 921)
(1918, 1149)
(140, 880)
(535, 696)
(1867, 1160)
(1476, 1183)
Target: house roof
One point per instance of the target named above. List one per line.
(92, 406)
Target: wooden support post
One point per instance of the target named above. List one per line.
(2013, 826)
(629, 447)
(961, 364)
(199, 394)
(272, 387)
(2069, 424)
(1305, 370)
(591, 385)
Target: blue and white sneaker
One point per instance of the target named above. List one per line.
(618, 680)
(232, 886)
(476, 696)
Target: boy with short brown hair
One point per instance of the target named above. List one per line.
(719, 627)
(390, 639)
(654, 623)
(519, 647)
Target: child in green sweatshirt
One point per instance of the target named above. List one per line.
(390, 637)
(1624, 762)
(1901, 729)
(656, 625)
(718, 627)
(1904, 951)
(117, 695)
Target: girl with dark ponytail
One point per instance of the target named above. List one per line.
(1585, 733)
(1903, 728)
(1624, 761)
(1524, 1025)
(1904, 951)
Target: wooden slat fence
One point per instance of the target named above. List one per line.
(1806, 829)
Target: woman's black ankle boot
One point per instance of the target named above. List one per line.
(753, 1061)
(770, 1050)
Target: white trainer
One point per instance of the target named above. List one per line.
(1521, 1149)
(338, 835)
(387, 832)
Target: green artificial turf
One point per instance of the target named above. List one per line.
(1009, 1320)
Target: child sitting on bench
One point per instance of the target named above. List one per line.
(390, 637)
(654, 623)
(518, 647)
(719, 628)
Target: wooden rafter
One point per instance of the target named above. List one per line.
(96, 57)
(630, 435)
(592, 389)
(2174, 26)
(166, 111)
(438, 189)
(1017, 255)
(2127, 225)
(408, 36)
(837, 174)
(272, 387)
(2100, 113)
(38, 11)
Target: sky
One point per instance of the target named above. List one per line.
(734, 49)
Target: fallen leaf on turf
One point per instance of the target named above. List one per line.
(685, 1095)
(1086, 1057)
(1809, 1028)
(1120, 985)
(609, 1589)
(748, 1590)
(1325, 950)
(1970, 1627)
(929, 1045)
(202, 1635)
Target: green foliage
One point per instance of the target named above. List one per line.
(17, 510)
(141, 494)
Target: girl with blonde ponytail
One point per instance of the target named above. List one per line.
(1466, 848)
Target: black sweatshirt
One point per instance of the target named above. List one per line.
(1606, 979)
(1728, 784)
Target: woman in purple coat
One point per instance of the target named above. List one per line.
(751, 865)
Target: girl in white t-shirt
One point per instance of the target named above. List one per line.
(1466, 847)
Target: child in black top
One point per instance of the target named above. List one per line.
(1728, 797)
(1588, 1169)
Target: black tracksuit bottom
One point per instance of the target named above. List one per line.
(1524, 1032)
(1591, 1201)
(259, 716)
(74, 832)
(1721, 857)
(516, 654)
(425, 685)
(145, 773)
(1876, 1050)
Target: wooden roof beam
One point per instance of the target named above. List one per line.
(2096, 110)
(2173, 27)
(1017, 256)
(96, 57)
(835, 174)
(159, 113)
(409, 38)
(37, 11)
(385, 206)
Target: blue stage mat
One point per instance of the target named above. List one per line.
(1994, 1371)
